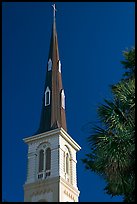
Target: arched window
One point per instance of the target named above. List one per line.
(44, 161)
(49, 65)
(62, 98)
(48, 159)
(67, 163)
(41, 160)
(47, 96)
(68, 167)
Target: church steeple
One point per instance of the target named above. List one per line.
(53, 108)
(51, 171)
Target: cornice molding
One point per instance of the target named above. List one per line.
(70, 187)
(55, 132)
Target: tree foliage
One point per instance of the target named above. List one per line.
(112, 143)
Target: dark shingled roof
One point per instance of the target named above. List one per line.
(53, 116)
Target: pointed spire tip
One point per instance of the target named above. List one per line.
(54, 10)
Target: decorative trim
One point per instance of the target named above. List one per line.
(69, 195)
(53, 133)
(70, 186)
(69, 139)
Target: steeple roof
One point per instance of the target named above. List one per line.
(53, 107)
(54, 52)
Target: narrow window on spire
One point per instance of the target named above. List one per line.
(47, 96)
(49, 65)
(62, 98)
(59, 64)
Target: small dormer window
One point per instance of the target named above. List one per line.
(49, 65)
(62, 98)
(47, 96)
(59, 66)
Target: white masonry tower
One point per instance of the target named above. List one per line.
(51, 171)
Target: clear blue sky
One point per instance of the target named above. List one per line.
(91, 36)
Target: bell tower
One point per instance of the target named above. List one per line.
(51, 170)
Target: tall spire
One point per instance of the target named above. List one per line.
(53, 108)
(54, 10)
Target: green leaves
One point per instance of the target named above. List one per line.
(113, 142)
(129, 63)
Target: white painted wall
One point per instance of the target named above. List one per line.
(47, 196)
(33, 158)
(63, 143)
(58, 143)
